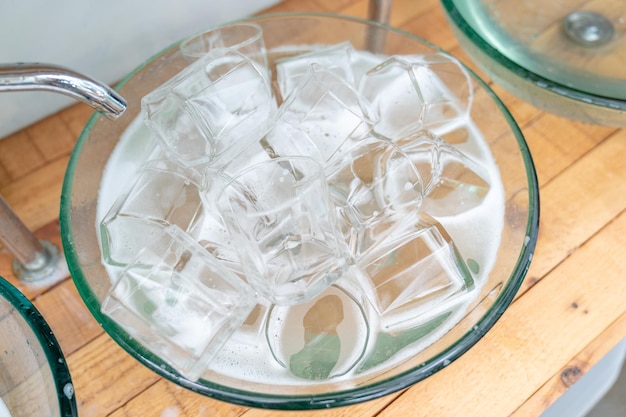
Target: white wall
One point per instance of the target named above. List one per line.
(102, 39)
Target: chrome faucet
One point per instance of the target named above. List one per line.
(35, 76)
(36, 260)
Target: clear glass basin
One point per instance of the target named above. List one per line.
(565, 57)
(282, 33)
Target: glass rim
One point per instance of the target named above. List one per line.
(337, 398)
(48, 344)
(563, 90)
(185, 44)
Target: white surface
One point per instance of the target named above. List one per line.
(613, 404)
(102, 39)
(4, 411)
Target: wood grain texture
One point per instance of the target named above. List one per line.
(105, 377)
(569, 312)
(578, 365)
(578, 203)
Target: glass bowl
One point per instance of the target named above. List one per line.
(562, 58)
(80, 199)
(34, 378)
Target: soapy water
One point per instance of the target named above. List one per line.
(255, 352)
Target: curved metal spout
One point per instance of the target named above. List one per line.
(39, 260)
(36, 76)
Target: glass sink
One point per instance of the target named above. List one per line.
(34, 376)
(565, 57)
(102, 144)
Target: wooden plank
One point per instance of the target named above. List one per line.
(555, 143)
(75, 117)
(428, 23)
(530, 336)
(596, 132)
(578, 203)
(167, 399)
(5, 178)
(52, 137)
(294, 6)
(577, 366)
(35, 198)
(333, 6)
(402, 11)
(358, 9)
(19, 156)
(105, 377)
(68, 317)
(523, 113)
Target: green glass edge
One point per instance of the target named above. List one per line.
(320, 401)
(544, 83)
(49, 345)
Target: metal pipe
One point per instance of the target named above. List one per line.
(16, 237)
(379, 10)
(46, 77)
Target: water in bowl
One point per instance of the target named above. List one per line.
(371, 317)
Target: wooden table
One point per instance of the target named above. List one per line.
(570, 311)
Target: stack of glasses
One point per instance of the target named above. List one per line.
(289, 200)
